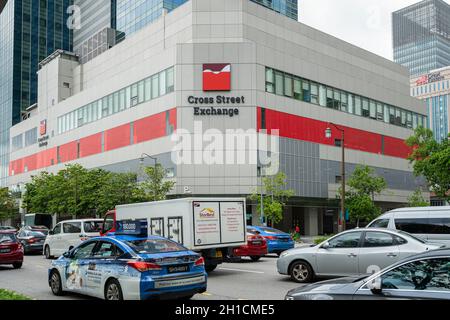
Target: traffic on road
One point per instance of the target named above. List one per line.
(205, 250)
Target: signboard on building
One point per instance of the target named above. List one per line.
(217, 77)
(429, 78)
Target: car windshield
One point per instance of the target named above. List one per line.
(271, 230)
(7, 237)
(411, 236)
(152, 246)
(93, 226)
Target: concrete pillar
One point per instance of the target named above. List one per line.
(312, 222)
(256, 220)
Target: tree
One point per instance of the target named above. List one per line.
(417, 200)
(8, 206)
(275, 198)
(155, 186)
(363, 185)
(431, 160)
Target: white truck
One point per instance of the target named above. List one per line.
(210, 226)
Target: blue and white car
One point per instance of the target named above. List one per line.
(126, 267)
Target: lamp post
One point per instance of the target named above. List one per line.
(142, 164)
(328, 135)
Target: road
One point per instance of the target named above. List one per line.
(245, 280)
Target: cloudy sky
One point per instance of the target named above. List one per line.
(365, 23)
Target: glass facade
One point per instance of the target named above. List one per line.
(132, 16)
(30, 30)
(439, 108)
(288, 85)
(289, 8)
(421, 35)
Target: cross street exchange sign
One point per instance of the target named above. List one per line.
(223, 103)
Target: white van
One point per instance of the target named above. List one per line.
(429, 223)
(69, 234)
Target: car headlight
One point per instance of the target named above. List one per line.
(284, 254)
(289, 298)
(317, 297)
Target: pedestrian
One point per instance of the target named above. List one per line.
(297, 232)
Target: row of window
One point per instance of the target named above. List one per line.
(150, 88)
(18, 142)
(288, 85)
(431, 87)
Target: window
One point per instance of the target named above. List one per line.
(386, 113)
(57, 229)
(314, 93)
(84, 251)
(141, 93)
(30, 137)
(155, 86)
(348, 240)
(380, 113)
(378, 239)
(72, 227)
(439, 226)
(92, 226)
(380, 223)
(106, 250)
(365, 108)
(148, 89)
(344, 101)
(288, 86)
(151, 246)
(162, 83)
(336, 99)
(392, 115)
(372, 109)
(306, 91)
(279, 83)
(423, 275)
(298, 91)
(122, 102)
(270, 80)
(330, 102)
(413, 226)
(170, 80)
(323, 96)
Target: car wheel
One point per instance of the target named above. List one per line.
(255, 258)
(113, 291)
(47, 253)
(55, 283)
(17, 265)
(301, 272)
(210, 267)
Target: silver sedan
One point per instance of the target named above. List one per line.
(354, 252)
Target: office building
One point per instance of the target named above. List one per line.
(434, 89)
(421, 36)
(239, 66)
(29, 32)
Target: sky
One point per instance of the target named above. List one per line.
(365, 23)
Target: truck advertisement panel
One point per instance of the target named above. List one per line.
(218, 223)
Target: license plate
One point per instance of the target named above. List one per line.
(284, 240)
(257, 243)
(179, 282)
(5, 250)
(176, 269)
(219, 254)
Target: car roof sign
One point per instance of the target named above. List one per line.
(136, 228)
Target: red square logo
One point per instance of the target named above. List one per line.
(43, 127)
(217, 77)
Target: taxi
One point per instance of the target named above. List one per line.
(129, 267)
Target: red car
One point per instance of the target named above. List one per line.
(11, 251)
(256, 247)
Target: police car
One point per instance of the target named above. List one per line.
(129, 266)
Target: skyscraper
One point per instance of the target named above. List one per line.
(30, 31)
(288, 8)
(421, 35)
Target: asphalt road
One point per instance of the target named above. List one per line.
(245, 280)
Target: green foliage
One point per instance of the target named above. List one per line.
(363, 186)
(417, 200)
(8, 206)
(275, 198)
(10, 295)
(431, 159)
(80, 192)
(156, 187)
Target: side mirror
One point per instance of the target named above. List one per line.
(67, 254)
(51, 233)
(326, 245)
(375, 286)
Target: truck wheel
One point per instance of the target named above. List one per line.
(210, 267)
(255, 258)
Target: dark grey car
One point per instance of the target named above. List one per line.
(32, 238)
(421, 277)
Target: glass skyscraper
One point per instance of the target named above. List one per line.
(288, 8)
(421, 36)
(134, 15)
(30, 30)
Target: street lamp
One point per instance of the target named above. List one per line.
(328, 135)
(148, 156)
